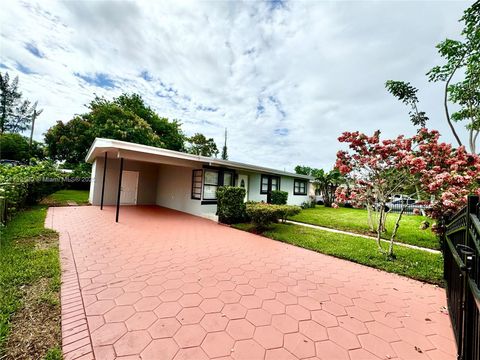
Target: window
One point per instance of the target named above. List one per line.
(210, 185)
(269, 183)
(212, 179)
(197, 184)
(227, 178)
(264, 187)
(299, 187)
(275, 183)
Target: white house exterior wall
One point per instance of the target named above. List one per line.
(286, 184)
(174, 191)
(147, 181)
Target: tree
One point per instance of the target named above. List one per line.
(169, 131)
(380, 169)
(125, 118)
(15, 113)
(69, 141)
(198, 144)
(327, 184)
(224, 149)
(372, 168)
(303, 170)
(462, 56)
(407, 94)
(16, 147)
(462, 61)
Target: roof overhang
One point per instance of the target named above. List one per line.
(138, 152)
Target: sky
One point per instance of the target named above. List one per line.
(285, 78)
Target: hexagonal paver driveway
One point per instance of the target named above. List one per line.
(162, 284)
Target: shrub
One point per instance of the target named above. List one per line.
(309, 204)
(25, 185)
(262, 215)
(230, 204)
(284, 211)
(279, 197)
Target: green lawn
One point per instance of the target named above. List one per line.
(61, 197)
(356, 220)
(30, 284)
(416, 264)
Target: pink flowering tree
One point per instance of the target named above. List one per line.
(447, 174)
(371, 164)
(380, 168)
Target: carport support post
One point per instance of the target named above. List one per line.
(103, 180)
(119, 189)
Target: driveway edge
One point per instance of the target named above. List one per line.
(76, 341)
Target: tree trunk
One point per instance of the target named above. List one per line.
(445, 105)
(379, 228)
(394, 232)
(370, 217)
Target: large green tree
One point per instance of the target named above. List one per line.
(125, 118)
(460, 74)
(462, 58)
(198, 144)
(17, 147)
(15, 113)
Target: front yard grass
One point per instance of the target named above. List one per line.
(30, 285)
(356, 220)
(416, 264)
(63, 197)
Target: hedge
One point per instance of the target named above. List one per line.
(279, 197)
(262, 214)
(25, 185)
(230, 204)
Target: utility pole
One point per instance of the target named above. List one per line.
(34, 117)
(224, 150)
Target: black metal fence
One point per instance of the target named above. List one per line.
(462, 275)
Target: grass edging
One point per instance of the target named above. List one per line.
(415, 264)
(30, 283)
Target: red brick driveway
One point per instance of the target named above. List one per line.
(162, 284)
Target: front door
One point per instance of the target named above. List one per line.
(243, 183)
(128, 195)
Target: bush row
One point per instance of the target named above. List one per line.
(232, 209)
(262, 215)
(26, 185)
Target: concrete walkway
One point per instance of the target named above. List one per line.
(166, 285)
(362, 236)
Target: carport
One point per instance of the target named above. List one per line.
(131, 174)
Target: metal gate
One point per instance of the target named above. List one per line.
(462, 275)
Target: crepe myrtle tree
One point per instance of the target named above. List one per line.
(372, 167)
(381, 168)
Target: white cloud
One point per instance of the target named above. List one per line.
(314, 68)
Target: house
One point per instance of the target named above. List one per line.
(125, 173)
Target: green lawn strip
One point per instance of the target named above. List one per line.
(416, 264)
(356, 220)
(29, 280)
(62, 197)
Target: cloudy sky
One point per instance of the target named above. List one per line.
(285, 78)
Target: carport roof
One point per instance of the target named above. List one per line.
(101, 145)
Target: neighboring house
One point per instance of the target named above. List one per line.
(180, 181)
